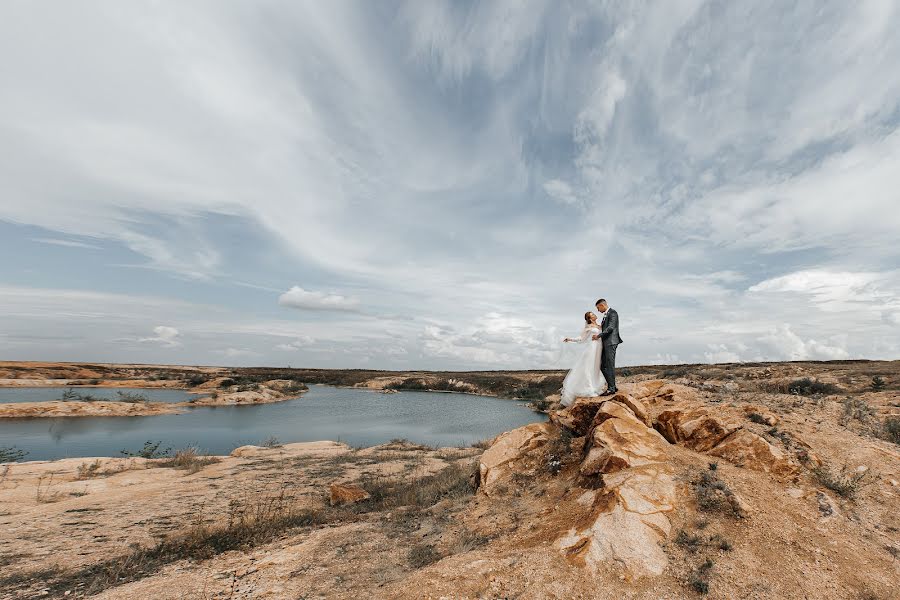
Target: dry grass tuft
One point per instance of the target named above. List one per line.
(845, 483)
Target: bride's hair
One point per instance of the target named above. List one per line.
(587, 317)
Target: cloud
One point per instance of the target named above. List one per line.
(297, 344)
(789, 346)
(297, 297)
(65, 243)
(560, 191)
(236, 353)
(165, 336)
(711, 177)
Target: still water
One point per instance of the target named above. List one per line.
(46, 394)
(358, 417)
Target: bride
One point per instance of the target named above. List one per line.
(585, 380)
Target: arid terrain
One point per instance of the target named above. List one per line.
(722, 481)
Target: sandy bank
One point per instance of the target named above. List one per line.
(58, 408)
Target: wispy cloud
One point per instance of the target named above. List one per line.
(297, 297)
(486, 169)
(164, 336)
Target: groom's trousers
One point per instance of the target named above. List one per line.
(608, 365)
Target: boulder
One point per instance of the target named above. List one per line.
(695, 427)
(628, 524)
(578, 416)
(644, 389)
(637, 407)
(763, 414)
(621, 442)
(746, 449)
(512, 452)
(346, 494)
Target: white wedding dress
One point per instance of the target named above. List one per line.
(585, 380)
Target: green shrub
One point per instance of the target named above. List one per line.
(811, 387)
(422, 555)
(11, 454)
(150, 450)
(132, 397)
(891, 429)
(844, 482)
(878, 383)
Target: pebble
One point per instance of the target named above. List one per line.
(862, 469)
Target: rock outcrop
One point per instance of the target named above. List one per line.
(627, 450)
(512, 452)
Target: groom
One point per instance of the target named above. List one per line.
(609, 333)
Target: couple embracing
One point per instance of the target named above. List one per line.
(594, 373)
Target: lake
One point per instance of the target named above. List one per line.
(355, 416)
(46, 394)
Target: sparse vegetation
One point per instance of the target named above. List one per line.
(757, 418)
(10, 454)
(890, 430)
(150, 450)
(713, 495)
(689, 541)
(132, 397)
(845, 483)
(88, 470)
(856, 409)
(878, 383)
(699, 578)
(558, 451)
(189, 459)
(70, 395)
(271, 442)
(811, 387)
(195, 380)
(422, 555)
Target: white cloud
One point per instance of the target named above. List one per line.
(409, 159)
(65, 243)
(787, 345)
(165, 336)
(236, 352)
(560, 191)
(297, 297)
(297, 344)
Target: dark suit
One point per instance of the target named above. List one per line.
(609, 333)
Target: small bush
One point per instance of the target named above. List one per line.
(271, 442)
(878, 383)
(844, 482)
(482, 444)
(150, 450)
(132, 397)
(422, 555)
(713, 495)
(11, 454)
(189, 459)
(811, 387)
(699, 578)
(757, 418)
(88, 470)
(855, 408)
(890, 430)
(195, 380)
(691, 542)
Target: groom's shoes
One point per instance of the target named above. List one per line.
(608, 393)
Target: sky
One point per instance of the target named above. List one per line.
(448, 185)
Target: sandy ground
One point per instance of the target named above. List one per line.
(800, 539)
